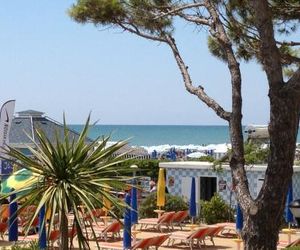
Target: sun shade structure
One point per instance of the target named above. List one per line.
(239, 219)
(289, 218)
(127, 225)
(18, 180)
(161, 189)
(192, 207)
(13, 219)
(134, 213)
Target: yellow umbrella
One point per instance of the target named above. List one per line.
(161, 188)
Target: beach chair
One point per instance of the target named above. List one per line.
(4, 212)
(140, 244)
(166, 219)
(229, 229)
(215, 230)
(189, 237)
(179, 217)
(114, 229)
(157, 241)
(3, 229)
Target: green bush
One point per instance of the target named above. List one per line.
(148, 205)
(215, 210)
(294, 248)
(146, 167)
(32, 245)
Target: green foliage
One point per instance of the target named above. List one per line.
(254, 154)
(216, 49)
(97, 11)
(148, 205)
(32, 245)
(293, 248)
(140, 13)
(215, 210)
(146, 167)
(71, 173)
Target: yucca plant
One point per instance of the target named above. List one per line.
(72, 174)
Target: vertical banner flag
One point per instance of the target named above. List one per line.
(6, 116)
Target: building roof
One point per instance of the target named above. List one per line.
(24, 125)
(209, 166)
(26, 122)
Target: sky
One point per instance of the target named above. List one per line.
(52, 64)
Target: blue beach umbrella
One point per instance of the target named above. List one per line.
(134, 213)
(13, 219)
(239, 219)
(42, 229)
(289, 218)
(127, 225)
(192, 208)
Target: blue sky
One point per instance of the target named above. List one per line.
(52, 64)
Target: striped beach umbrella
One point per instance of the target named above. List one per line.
(18, 180)
(161, 189)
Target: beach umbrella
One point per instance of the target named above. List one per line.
(192, 207)
(42, 229)
(161, 188)
(289, 218)
(19, 180)
(13, 219)
(127, 225)
(239, 219)
(134, 213)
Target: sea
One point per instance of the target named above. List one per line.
(159, 137)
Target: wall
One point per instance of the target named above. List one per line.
(176, 175)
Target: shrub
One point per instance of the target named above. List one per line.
(173, 203)
(215, 210)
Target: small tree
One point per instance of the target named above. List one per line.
(237, 29)
(71, 174)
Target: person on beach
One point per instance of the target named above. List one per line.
(152, 186)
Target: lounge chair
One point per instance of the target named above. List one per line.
(157, 241)
(140, 244)
(113, 229)
(179, 217)
(3, 229)
(229, 229)
(189, 237)
(214, 232)
(165, 219)
(4, 212)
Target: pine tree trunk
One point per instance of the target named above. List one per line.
(64, 239)
(262, 225)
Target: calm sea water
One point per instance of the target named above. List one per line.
(151, 135)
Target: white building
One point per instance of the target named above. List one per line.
(208, 181)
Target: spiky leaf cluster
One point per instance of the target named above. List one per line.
(71, 174)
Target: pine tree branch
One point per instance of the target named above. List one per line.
(237, 160)
(197, 91)
(293, 85)
(133, 29)
(269, 52)
(194, 19)
(178, 9)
